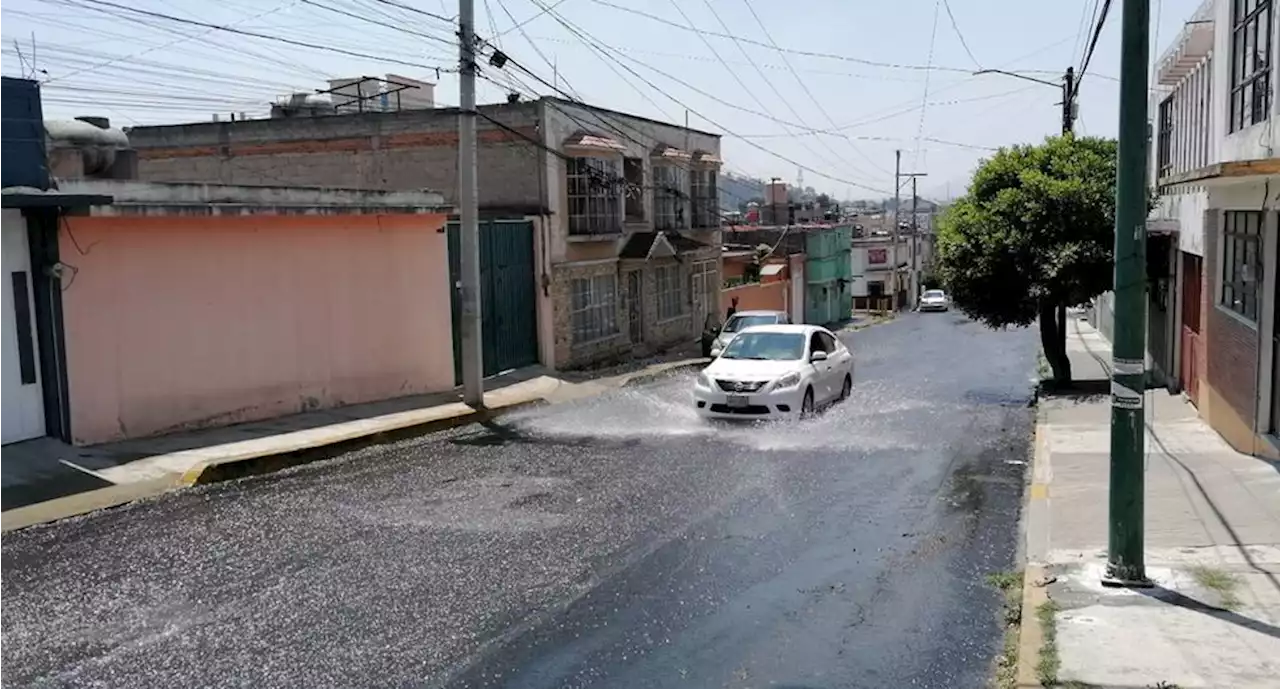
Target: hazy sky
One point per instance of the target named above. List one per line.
(100, 59)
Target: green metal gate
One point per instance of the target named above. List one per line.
(508, 293)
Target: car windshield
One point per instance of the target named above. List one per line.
(746, 321)
(934, 294)
(766, 347)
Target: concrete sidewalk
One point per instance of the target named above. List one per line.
(1212, 548)
(46, 480)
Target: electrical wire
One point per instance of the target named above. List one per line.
(376, 22)
(956, 27)
(933, 36)
(1093, 43)
(764, 30)
(520, 25)
(252, 34)
(793, 51)
(728, 131)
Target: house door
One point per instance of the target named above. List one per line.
(1275, 348)
(23, 399)
(1189, 370)
(508, 294)
(635, 306)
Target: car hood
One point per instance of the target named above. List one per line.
(750, 369)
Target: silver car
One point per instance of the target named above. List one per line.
(742, 320)
(934, 300)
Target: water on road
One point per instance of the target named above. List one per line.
(616, 541)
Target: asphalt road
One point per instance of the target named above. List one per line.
(613, 542)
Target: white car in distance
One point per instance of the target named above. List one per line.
(775, 371)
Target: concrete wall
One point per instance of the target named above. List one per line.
(182, 322)
(773, 296)
(405, 150)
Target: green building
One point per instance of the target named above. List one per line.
(828, 270)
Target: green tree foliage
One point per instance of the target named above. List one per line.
(1033, 233)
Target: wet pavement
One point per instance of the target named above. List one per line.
(612, 542)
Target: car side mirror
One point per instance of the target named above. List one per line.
(818, 356)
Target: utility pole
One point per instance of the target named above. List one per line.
(773, 200)
(1125, 562)
(898, 174)
(469, 244)
(915, 244)
(1068, 127)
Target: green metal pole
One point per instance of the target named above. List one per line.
(1125, 565)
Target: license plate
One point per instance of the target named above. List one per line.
(737, 400)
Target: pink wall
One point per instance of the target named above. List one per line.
(770, 296)
(181, 322)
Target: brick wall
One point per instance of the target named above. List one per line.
(1231, 347)
(388, 151)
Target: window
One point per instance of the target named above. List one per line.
(669, 184)
(633, 172)
(706, 201)
(595, 196)
(1241, 262)
(828, 343)
(593, 315)
(670, 287)
(1250, 62)
(1164, 139)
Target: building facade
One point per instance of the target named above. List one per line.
(1212, 238)
(828, 274)
(621, 211)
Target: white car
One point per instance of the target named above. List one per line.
(772, 371)
(934, 300)
(743, 320)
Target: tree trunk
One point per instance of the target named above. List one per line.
(1053, 342)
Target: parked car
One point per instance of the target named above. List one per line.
(740, 321)
(772, 371)
(934, 300)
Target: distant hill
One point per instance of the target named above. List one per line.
(736, 190)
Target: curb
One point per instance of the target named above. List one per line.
(644, 377)
(219, 470)
(1031, 633)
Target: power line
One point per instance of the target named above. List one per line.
(750, 91)
(415, 10)
(714, 123)
(793, 51)
(1097, 32)
(253, 34)
(520, 25)
(764, 30)
(376, 22)
(956, 27)
(924, 102)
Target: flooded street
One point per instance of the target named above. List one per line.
(615, 541)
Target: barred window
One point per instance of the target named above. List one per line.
(1250, 62)
(1164, 139)
(1241, 262)
(671, 294)
(593, 313)
(669, 184)
(595, 195)
(706, 201)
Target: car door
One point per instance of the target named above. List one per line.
(821, 369)
(834, 372)
(841, 361)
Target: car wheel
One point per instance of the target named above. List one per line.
(806, 405)
(847, 388)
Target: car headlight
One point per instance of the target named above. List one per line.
(788, 381)
(704, 380)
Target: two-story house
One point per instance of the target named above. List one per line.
(600, 230)
(1212, 238)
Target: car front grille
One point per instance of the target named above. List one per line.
(737, 386)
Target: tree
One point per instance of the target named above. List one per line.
(824, 200)
(1033, 233)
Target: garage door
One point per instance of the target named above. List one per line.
(23, 413)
